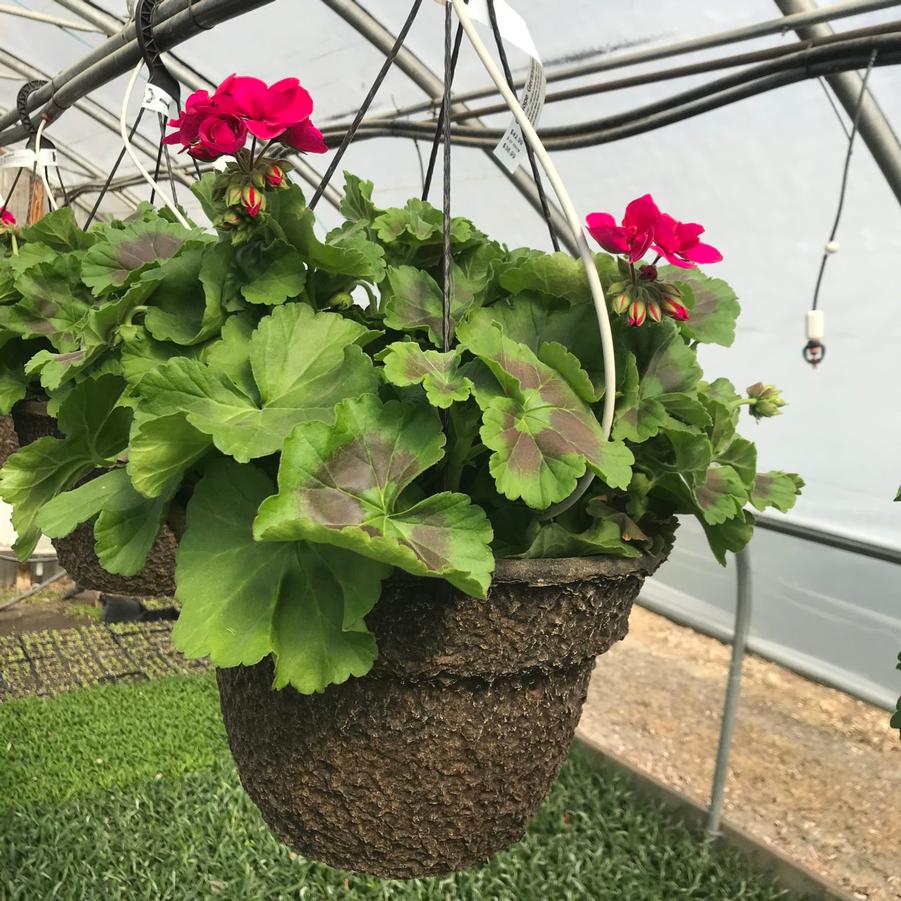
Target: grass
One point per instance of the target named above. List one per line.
(127, 792)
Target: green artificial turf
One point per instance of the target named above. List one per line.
(164, 817)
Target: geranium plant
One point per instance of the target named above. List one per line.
(293, 395)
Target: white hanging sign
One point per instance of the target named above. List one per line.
(511, 149)
(157, 100)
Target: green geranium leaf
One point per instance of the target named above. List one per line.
(602, 537)
(721, 496)
(161, 450)
(14, 353)
(741, 455)
(281, 275)
(342, 485)
(776, 489)
(406, 363)
(96, 432)
(127, 522)
(731, 535)
(356, 204)
(542, 433)
(419, 223)
(244, 599)
(556, 275)
(231, 353)
(142, 353)
(59, 230)
(54, 303)
(302, 362)
(355, 256)
(534, 320)
(712, 305)
(181, 312)
(672, 366)
(124, 254)
(686, 408)
(415, 302)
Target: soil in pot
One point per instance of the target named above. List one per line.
(76, 551)
(439, 757)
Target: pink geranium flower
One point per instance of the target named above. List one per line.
(267, 110)
(306, 138)
(197, 107)
(221, 133)
(7, 219)
(636, 233)
(679, 243)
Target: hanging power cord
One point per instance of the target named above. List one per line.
(572, 217)
(814, 350)
(42, 170)
(536, 174)
(364, 107)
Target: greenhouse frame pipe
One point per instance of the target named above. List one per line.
(177, 20)
(91, 108)
(875, 130)
(415, 69)
(44, 18)
(743, 601)
(190, 78)
(691, 45)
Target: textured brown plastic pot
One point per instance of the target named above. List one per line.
(9, 443)
(76, 553)
(439, 757)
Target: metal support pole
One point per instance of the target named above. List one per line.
(874, 127)
(733, 689)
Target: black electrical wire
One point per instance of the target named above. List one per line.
(845, 170)
(367, 102)
(533, 163)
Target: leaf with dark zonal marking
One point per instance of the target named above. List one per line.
(243, 599)
(125, 253)
(342, 485)
(776, 489)
(542, 433)
(406, 363)
(415, 303)
(721, 496)
(712, 305)
(731, 535)
(302, 362)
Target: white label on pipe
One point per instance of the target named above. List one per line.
(157, 100)
(511, 149)
(49, 158)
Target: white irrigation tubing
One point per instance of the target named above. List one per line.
(123, 131)
(575, 224)
(42, 170)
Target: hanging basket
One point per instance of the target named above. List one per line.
(439, 757)
(9, 443)
(76, 551)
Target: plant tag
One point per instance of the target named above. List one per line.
(18, 159)
(49, 158)
(511, 149)
(157, 100)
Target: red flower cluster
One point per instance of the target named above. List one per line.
(210, 127)
(644, 226)
(7, 220)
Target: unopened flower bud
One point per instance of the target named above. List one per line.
(259, 180)
(275, 176)
(765, 400)
(648, 273)
(233, 196)
(637, 313)
(654, 311)
(674, 309)
(621, 303)
(668, 290)
(253, 201)
(342, 300)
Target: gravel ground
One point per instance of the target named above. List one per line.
(815, 773)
